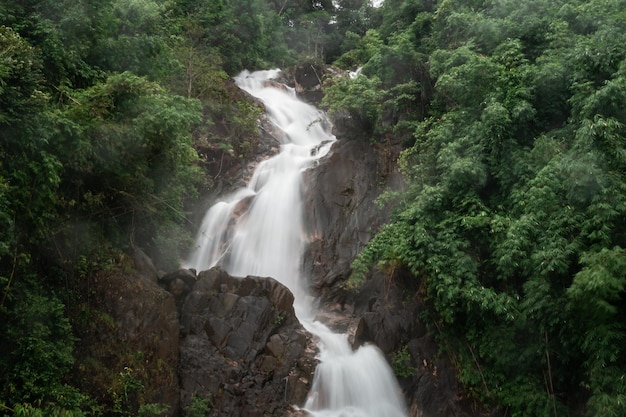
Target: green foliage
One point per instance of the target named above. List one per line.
(514, 114)
(133, 38)
(397, 62)
(400, 15)
(150, 410)
(96, 155)
(27, 410)
(279, 320)
(199, 406)
(401, 363)
(244, 34)
(600, 282)
(595, 294)
(19, 77)
(319, 30)
(127, 389)
(38, 345)
(133, 159)
(359, 49)
(360, 97)
(512, 216)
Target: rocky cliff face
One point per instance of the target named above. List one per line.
(388, 310)
(232, 345)
(235, 345)
(242, 347)
(341, 211)
(343, 217)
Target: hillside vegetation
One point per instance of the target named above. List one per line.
(513, 114)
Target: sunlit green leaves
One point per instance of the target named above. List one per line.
(360, 97)
(601, 280)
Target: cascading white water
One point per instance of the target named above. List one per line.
(351, 383)
(259, 231)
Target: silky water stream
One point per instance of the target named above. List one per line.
(258, 230)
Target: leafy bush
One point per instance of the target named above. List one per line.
(199, 407)
(402, 363)
(360, 97)
(38, 345)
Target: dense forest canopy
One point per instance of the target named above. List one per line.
(512, 115)
(514, 119)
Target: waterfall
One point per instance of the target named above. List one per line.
(259, 231)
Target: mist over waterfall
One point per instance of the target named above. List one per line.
(259, 230)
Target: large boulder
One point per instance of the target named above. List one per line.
(179, 283)
(307, 80)
(242, 348)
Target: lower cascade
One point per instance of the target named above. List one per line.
(259, 230)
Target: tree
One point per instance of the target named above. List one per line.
(38, 346)
(132, 166)
(132, 37)
(364, 111)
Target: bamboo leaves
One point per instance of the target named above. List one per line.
(513, 218)
(600, 282)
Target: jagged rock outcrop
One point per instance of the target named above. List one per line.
(341, 212)
(307, 81)
(179, 283)
(242, 346)
(234, 343)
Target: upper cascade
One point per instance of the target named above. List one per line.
(258, 230)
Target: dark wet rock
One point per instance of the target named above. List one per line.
(144, 265)
(179, 283)
(390, 310)
(132, 334)
(308, 79)
(243, 347)
(341, 212)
